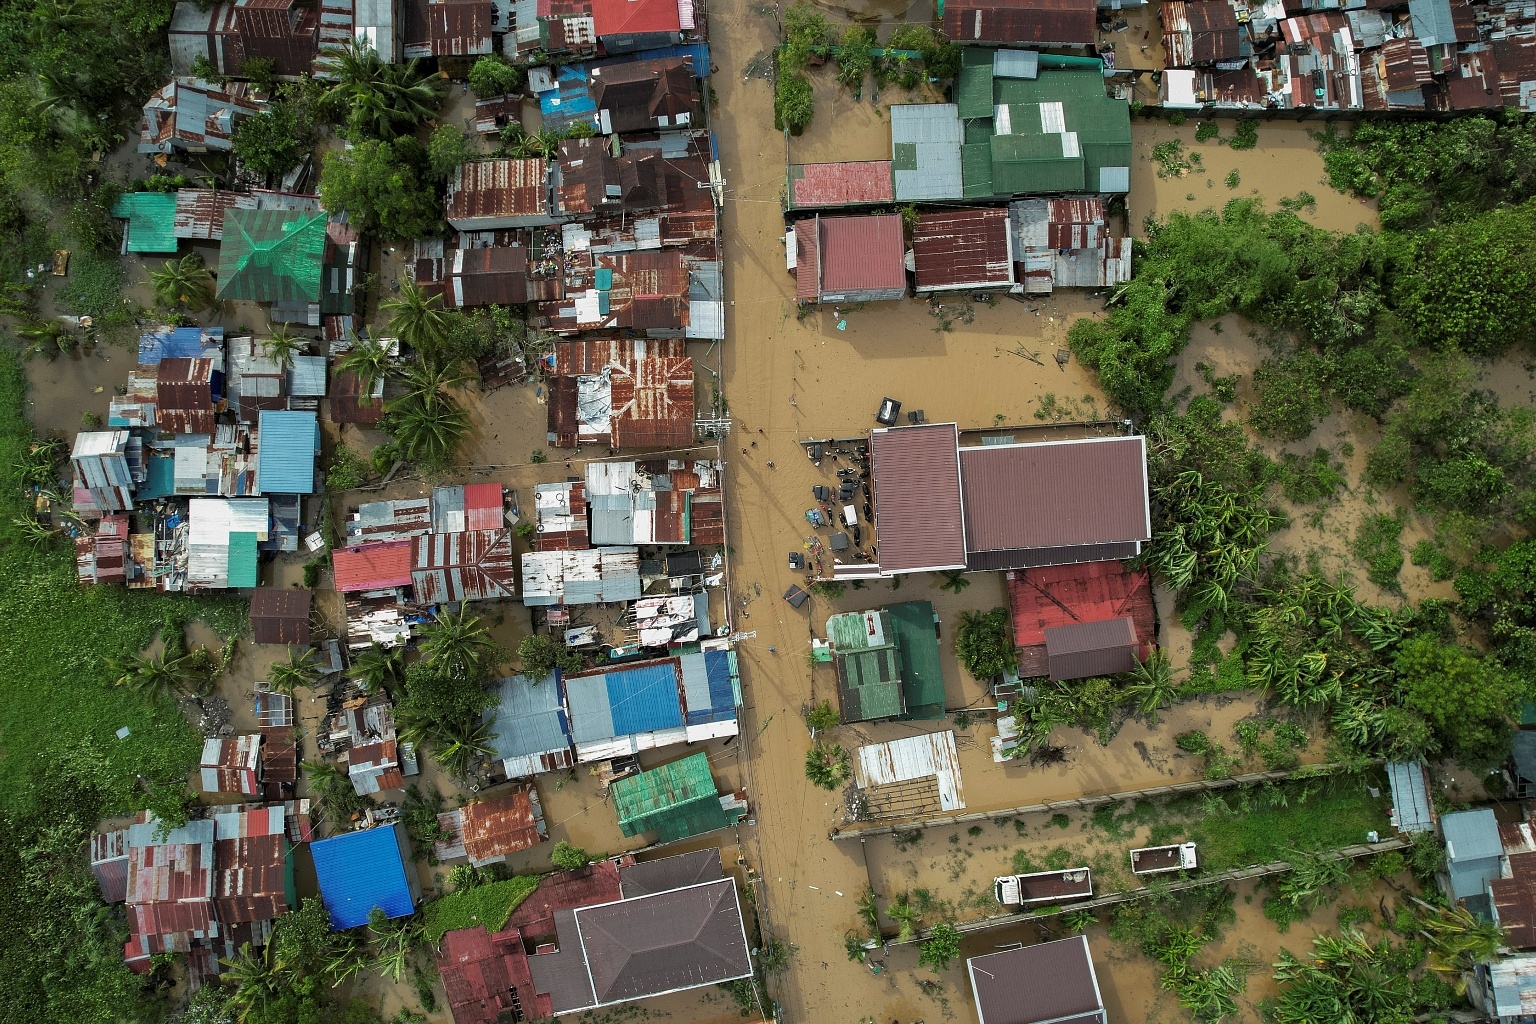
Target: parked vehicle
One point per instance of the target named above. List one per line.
(1043, 887)
(1160, 860)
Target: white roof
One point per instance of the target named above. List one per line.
(931, 755)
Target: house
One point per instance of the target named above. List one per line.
(848, 259)
(622, 393)
(1032, 22)
(915, 774)
(1505, 989)
(289, 442)
(272, 255)
(919, 516)
(228, 35)
(253, 871)
(1079, 650)
(643, 291)
(489, 829)
(650, 501)
(279, 758)
(645, 95)
(1474, 856)
(460, 507)
(189, 394)
(1047, 597)
(256, 381)
(369, 750)
(380, 23)
(104, 464)
(371, 567)
(675, 801)
(1412, 809)
(190, 115)
(281, 616)
(151, 221)
(627, 26)
(222, 539)
(1522, 764)
(887, 663)
(306, 382)
(560, 517)
(569, 577)
(594, 180)
(181, 343)
(397, 519)
(200, 212)
(109, 863)
(366, 870)
(1038, 984)
(1066, 242)
(962, 250)
(488, 194)
(1202, 32)
(623, 709)
(833, 185)
(926, 141)
(530, 726)
(1512, 896)
(349, 404)
(103, 556)
(447, 28)
(477, 565)
(232, 765)
(170, 888)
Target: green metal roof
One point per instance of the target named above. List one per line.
(151, 218)
(272, 255)
(675, 801)
(868, 666)
(1034, 163)
(973, 90)
(922, 679)
(976, 170)
(242, 560)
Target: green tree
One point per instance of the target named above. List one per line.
(383, 186)
(369, 360)
(566, 857)
(1468, 699)
(299, 670)
(283, 345)
(493, 76)
(381, 668)
(1152, 686)
(794, 103)
(447, 149)
(425, 380)
(273, 141)
(458, 642)
(984, 643)
(955, 580)
(381, 100)
(942, 946)
(828, 765)
(1346, 978)
(184, 284)
(539, 654)
(428, 430)
(822, 717)
(257, 981)
(418, 318)
(159, 674)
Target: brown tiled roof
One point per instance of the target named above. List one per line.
(919, 521)
(1056, 494)
(502, 824)
(962, 247)
(863, 253)
(1082, 649)
(1008, 990)
(1020, 21)
(280, 616)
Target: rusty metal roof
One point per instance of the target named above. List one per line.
(505, 823)
(200, 212)
(962, 249)
(347, 401)
(479, 565)
(251, 851)
(919, 518)
(280, 616)
(482, 276)
(184, 389)
(459, 28)
(1021, 21)
(498, 190)
(851, 183)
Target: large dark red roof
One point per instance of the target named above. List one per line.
(918, 515)
(954, 248)
(1020, 21)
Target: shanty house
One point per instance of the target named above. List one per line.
(560, 512)
(646, 291)
(194, 116)
(489, 829)
(272, 255)
(1474, 855)
(170, 888)
(477, 565)
(190, 394)
(254, 874)
(151, 221)
(447, 28)
(475, 507)
(887, 663)
(833, 185)
(289, 442)
(675, 801)
(849, 259)
(232, 764)
(256, 381)
(1203, 32)
(1031, 22)
(222, 541)
(645, 95)
(487, 194)
(1083, 592)
(104, 556)
(962, 250)
(531, 727)
(926, 141)
(1046, 983)
(396, 519)
(361, 871)
(371, 752)
(103, 462)
(109, 863)
(1412, 809)
(281, 616)
(1066, 243)
(1505, 989)
(624, 709)
(594, 576)
(646, 502)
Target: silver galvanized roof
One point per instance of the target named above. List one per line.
(926, 139)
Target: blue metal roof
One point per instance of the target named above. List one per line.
(708, 688)
(358, 871)
(644, 699)
(529, 719)
(1473, 851)
(285, 456)
(181, 343)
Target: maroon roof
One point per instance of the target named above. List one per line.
(481, 971)
(919, 521)
(962, 248)
(1056, 495)
(1021, 21)
(646, 94)
(1008, 988)
(807, 261)
(482, 276)
(840, 184)
(280, 616)
(348, 403)
(185, 396)
(1060, 595)
(863, 253)
(1515, 900)
(1084, 649)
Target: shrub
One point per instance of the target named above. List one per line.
(942, 946)
(493, 76)
(1376, 544)
(1290, 396)
(347, 470)
(822, 717)
(567, 857)
(794, 103)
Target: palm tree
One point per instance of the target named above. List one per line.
(1153, 688)
(465, 741)
(354, 70)
(299, 670)
(418, 318)
(904, 913)
(369, 361)
(156, 674)
(413, 94)
(379, 98)
(458, 642)
(955, 580)
(426, 379)
(828, 765)
(283, 345)
(1458, 941)
(184, 283)
(38, 464)
(47, 336)
(429, 429)
(257, 979)
(381, 668)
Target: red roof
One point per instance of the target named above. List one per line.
(372, 566)
(483, 507)
(840, 184)
(1061, 595)
(962, 248)
(633, 17)
(919, 522)
(807, 261)
(1020, 21)
(862, 253)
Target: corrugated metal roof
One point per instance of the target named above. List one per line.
(919, 516)
(1411, 807)
(675, 801)
(925, 151)
(306, 377)
(181, 343)
(498, 190)
(639, 698)
(930, 755)
(531, 726)
(1055, 494)
(251, 853)
(479, 565)
(377, 566)
(852, 183)
(200, 212)
(151, 218)
(862, 254)
(280, 616)
(359, 871)
(1065, 22)
(1082, 649)
(1062, 594)
(505, 822)
(288, 444)
(962, 249)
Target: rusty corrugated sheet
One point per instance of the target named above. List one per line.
(459, 28)
(962, 248)
(280, 616)
(348, 403)
(250, 851)
(482, 276)
(919, 518)
(498, 189)
(1021, 21)
(484, 506)
(851, 183)
(473, 566)
(200, 212)
(502, 824)
(185, 397)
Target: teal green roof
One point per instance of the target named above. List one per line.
(868, 665)
(242, 560)
(272, 255)
(922, 679)
(675, 801)
(1034, 163)
(151, 218)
